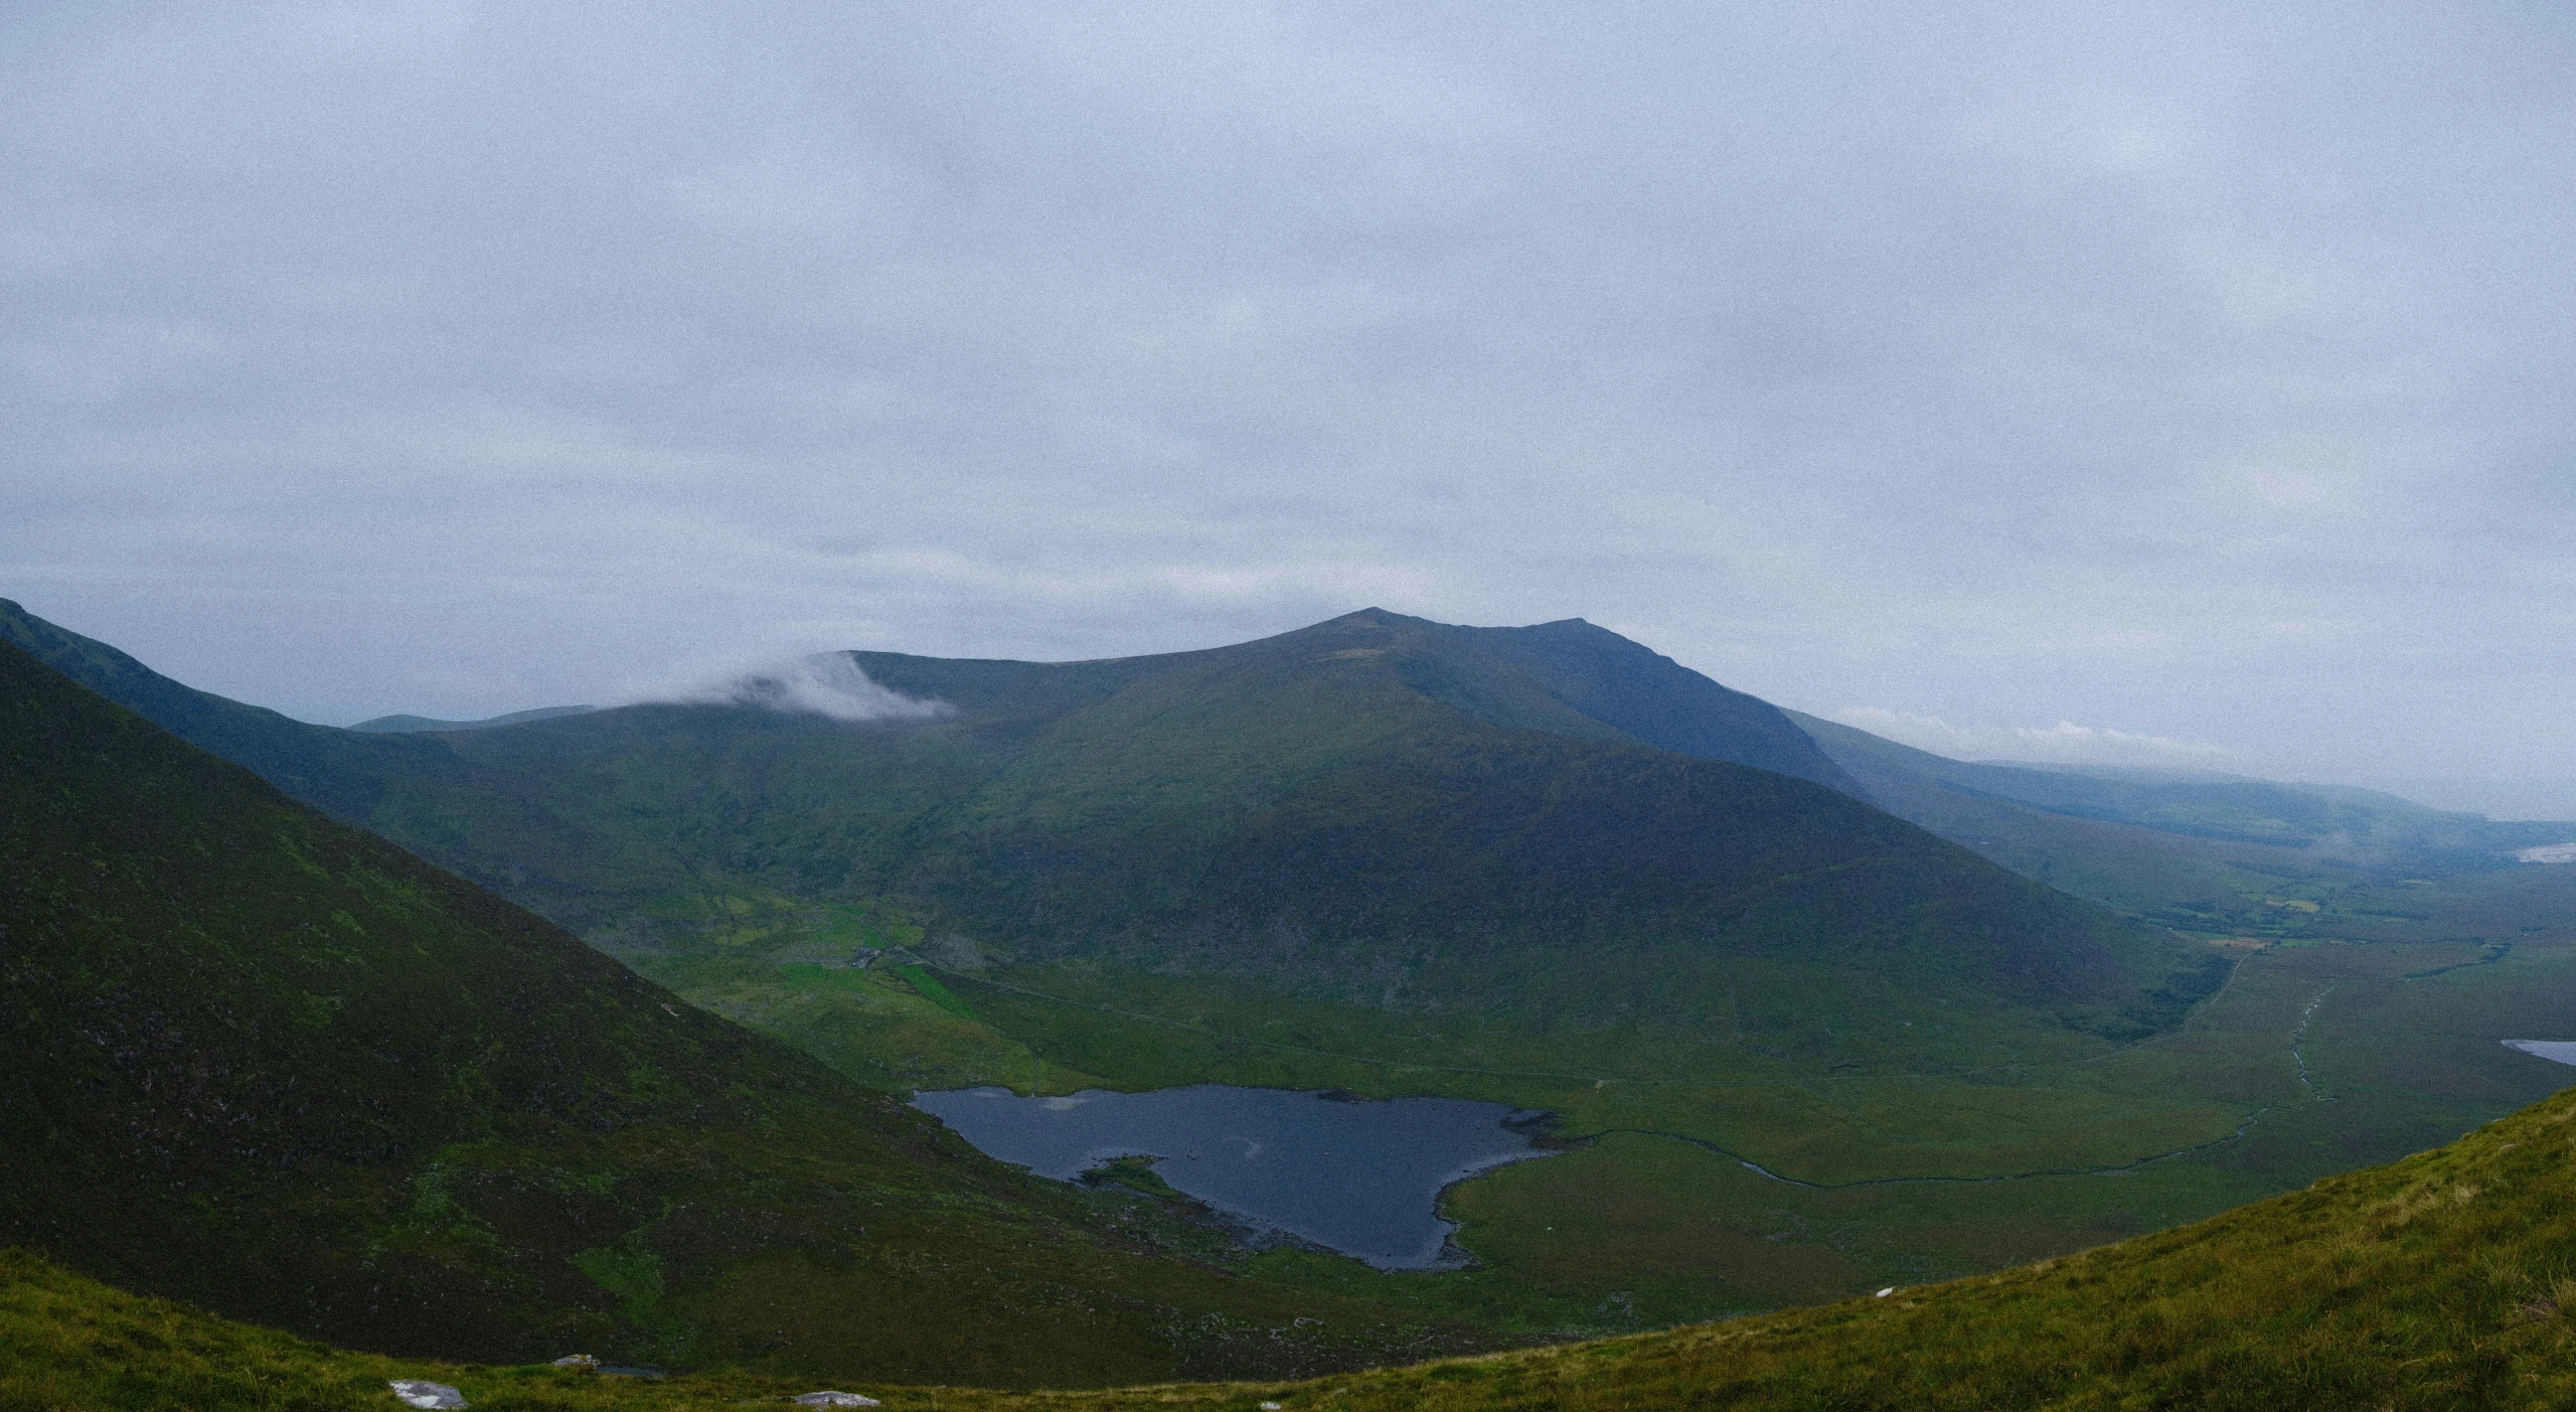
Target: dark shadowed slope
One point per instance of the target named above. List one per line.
(287, 1071)
(1658, 701)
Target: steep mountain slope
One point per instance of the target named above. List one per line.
(283, 1069)
(1658, 701)
(2438, 1282)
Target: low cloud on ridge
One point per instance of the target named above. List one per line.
(2065, 743)
(828, 684)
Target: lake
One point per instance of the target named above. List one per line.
(1359, 1176)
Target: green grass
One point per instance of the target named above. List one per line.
(930, 988)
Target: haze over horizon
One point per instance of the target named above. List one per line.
(2177, 385)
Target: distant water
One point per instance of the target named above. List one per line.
(2561, 1050)
(1360, 1177)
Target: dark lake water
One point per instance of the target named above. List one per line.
(1360, 1177)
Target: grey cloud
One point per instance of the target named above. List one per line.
(2197, 368)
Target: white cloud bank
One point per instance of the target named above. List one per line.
(827, 684)
(2065, 743)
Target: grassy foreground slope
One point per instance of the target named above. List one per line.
(282, 1069)
(2447, 1280)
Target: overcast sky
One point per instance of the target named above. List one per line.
(2129, 382)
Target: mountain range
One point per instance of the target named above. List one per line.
(1378, 809)
(1813, 1010)
(2197, 850)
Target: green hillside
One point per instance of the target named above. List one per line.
(283, 1070)
(1374, 807)
(2440, 1282)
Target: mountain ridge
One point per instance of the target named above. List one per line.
(1222, 804)
(414, 725)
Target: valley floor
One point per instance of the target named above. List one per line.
(1703, 1182)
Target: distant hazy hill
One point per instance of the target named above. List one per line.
(407, 725)
(2200, 804)
(1378, 808)
(283, 1069)
(2190, 848)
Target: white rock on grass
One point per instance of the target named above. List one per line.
(834, 1399)
(417, 1393)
